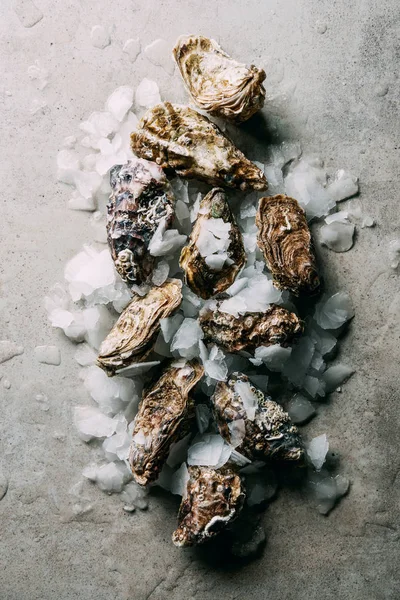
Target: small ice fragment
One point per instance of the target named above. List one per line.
(100, 37)
(147, 93)
(179, 481)
(208, 450)
(300, 409)
(331, 312)
(317, 450)
(92, 423)
(237, 432)
(186, 339)
(336, 375)
(87, 183)
(77, 202)
(342, 186)
(274, 357)
(6, 384)
(170, 326)
(248, 397)
(321, 27)
(111, 394)
(341, 216)
(160, 273)
(8, 350)
(260, 489)
(27, 12)
(203, 416)
(85, 355)
(159, 53)
(296, 367)
(110, 477)
(367, 221)
(98, 223)
(337, 236)
(135, 495)
(120, 102)
(67, 165)
(48, 355)
(394, 253)
(137, 368)
(165, 241)
(132, 48)
(69, 142)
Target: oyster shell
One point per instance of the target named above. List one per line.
(257, 426)
(179, 138)
(213, 499)
(217, 83)
(285, 239)
(140, 198)
(274, 326)
(165, 415)
(204, 280)
(134, 334)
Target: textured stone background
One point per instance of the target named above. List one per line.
(343, 102)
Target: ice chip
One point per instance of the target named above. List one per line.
(336, 375)
(274, 357)
(300, 409)
(67, 166)
(110, 477)
(147, 93)
(92, 423)
(186, 339)
(179, 481)
(248, 397)
(317, 450)
(120, 102)
(342, 186)
(337, 236)
(111, 394)
(331, 312)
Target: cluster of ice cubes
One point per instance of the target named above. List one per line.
(86, 305)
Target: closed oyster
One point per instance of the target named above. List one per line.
(215, 253)
(179, 138)
(214, 498)
(166, 413)
(254, 424)
(140, 198)
(217, 83)
(285, 239)
(134, 334)
(274, 326)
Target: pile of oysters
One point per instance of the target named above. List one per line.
(175, 139)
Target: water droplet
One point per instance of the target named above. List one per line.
(132, 48)
(381, 90)
(60, 436)
(48, 355)
(159, 53)
(6, 384)
(27, 12)
(8, 350)
(100, 37)
(321, 27)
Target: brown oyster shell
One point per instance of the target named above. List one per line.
(202, 279)
(133, 336)
(270, 435)
(214, 498)
(217, 83)
(285, 239)
(274, 326)
(179, 138)
(140, 199)
(166, 413)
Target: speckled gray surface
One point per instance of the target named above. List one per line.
(343, 103)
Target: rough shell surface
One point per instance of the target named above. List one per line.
(270, 435)
(140, 199)
(202, 280)
(274, 326)
(166, 414)
(213, 499)
(179, 138)
(217, 83)
(134, 334)
(285, 239)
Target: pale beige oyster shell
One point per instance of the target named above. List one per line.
(166, 414)
(177, 137)
(133, 336)
(202, 279)
(217, 83)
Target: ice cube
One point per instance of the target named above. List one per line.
(337, 236)
(186, 339)
(132, 48)
(237, 432)
(179, 481)
(147, 93)
(77, 202)
(110, 477)
(85, 355)
(208, 450)
(135, 495)
(159, 53)
(92, 423)
(119, 102)
(274, 357)
(67, 165)
(336, 375)
(48, 355)
(87, 183)
(331, 312)
(165, 241)
(248, 397)
(300, 409)
(100, 37)
(317, 450)
(296, 367)
(160, 273)
(111, 394)
(342, 186)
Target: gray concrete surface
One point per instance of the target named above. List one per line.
(344, 104)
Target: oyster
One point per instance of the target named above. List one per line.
(217, 83)
(215, 253)
(140, 198)
(165, 415)
(254, 424)
(134, 334)
(214, 497)
(285, 239)
(179, 138)
(274, 326)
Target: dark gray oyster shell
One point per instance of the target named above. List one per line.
(166, 414)
(133, 336)
(214, 498)
(274, 326)
(141, 197)
(179, 138)
(199, 276)
(285, 240)
(217, 83)
(257, 427)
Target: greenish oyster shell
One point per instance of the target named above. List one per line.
(166, 414)
(214, 498)
(217, 83)
(141, 198)
(199, 276)
(178, 138)
(261, 432)
(133, 336)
